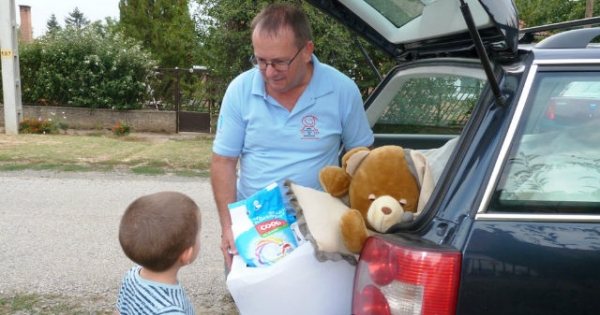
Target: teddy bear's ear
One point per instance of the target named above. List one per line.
(351, 153)
(354, 161)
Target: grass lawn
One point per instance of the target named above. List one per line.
(141, 153)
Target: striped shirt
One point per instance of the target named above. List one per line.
(141, 296)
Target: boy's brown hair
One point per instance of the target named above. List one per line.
(157, 228)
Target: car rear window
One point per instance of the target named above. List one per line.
(400, 12)
(433, 104)
(554, 162)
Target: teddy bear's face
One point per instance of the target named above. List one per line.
(384, 212)
(384, 172)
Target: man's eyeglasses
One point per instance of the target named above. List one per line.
(278, 65)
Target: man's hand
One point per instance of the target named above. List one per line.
(228, 247)
(223, 180)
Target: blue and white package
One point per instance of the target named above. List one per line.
(261, 229)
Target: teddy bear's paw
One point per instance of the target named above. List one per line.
(354, 231)
(334, 180)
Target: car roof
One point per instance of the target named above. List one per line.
(569, 47)
(425, 27)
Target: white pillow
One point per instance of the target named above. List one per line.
(318, 214)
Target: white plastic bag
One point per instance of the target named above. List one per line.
(296, 284)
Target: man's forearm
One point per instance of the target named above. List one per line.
(223, 181)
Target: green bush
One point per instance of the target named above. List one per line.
(121, 129)
(84, 68)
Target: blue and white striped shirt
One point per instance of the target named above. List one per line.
(141, 296)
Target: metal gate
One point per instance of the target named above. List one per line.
(180, 90)
(193, 122)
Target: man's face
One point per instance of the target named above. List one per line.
(280, 48)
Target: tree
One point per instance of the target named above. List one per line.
(76, 19)
(92, 67)
(52, 24)
(164, 27)
(224, 27)
(540, 12)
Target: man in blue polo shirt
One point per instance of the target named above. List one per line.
(283, 119)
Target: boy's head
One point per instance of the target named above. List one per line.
(157, 228)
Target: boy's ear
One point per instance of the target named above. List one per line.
(186, 256)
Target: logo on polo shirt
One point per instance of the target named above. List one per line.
(309, 131)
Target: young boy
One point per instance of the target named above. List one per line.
(159, 232)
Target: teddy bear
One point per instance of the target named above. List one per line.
(381, 186)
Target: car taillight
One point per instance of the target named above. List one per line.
(394, 279)
(550, 110)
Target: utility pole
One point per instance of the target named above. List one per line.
(11, 77)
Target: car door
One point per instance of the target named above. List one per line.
(534, 246)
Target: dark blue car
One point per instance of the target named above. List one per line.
(513, 224)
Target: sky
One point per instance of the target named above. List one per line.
(41, 10)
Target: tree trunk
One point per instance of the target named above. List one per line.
(589, 8)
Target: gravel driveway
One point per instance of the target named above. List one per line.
(58, 235)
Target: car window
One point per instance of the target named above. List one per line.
(582, 89)
(400, 12)
(427, 103)
(554, 163)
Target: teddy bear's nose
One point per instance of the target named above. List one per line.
(386, 210)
